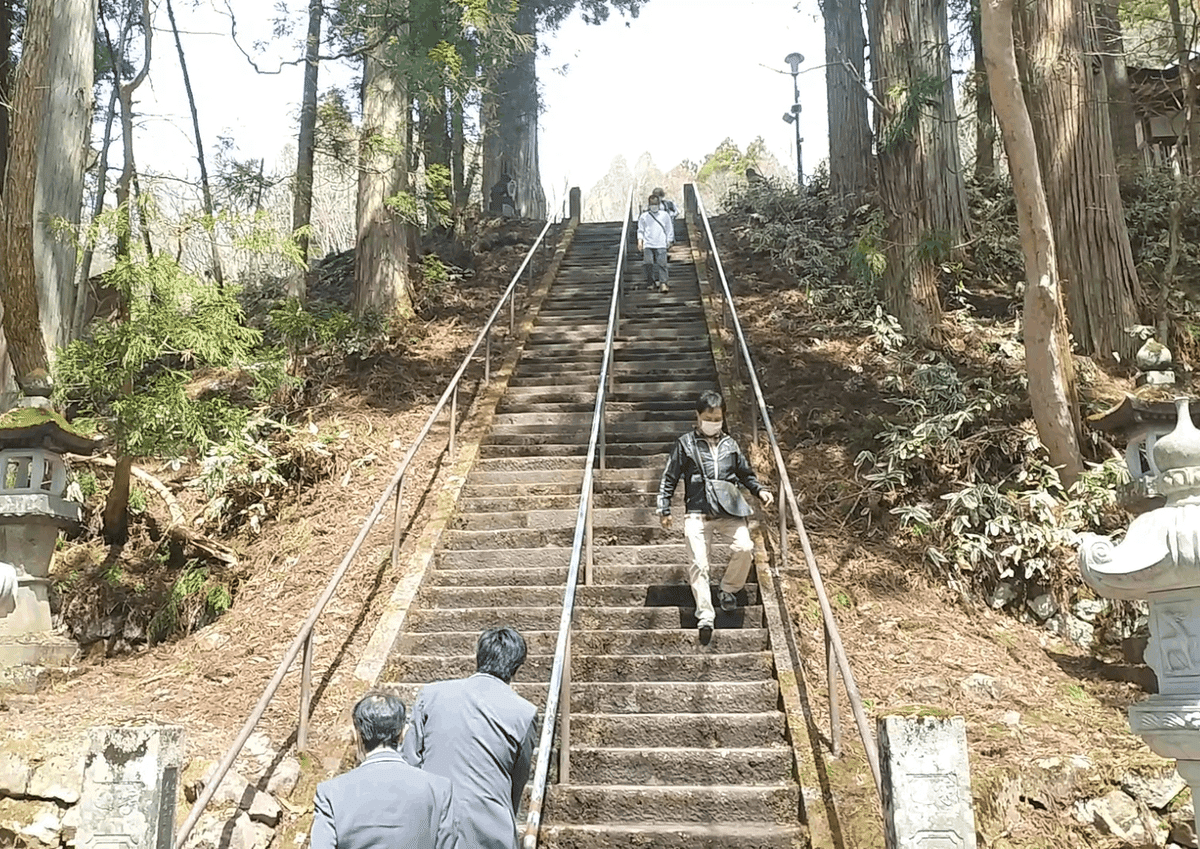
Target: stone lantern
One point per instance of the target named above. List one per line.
(34, 508)
(1159, 561)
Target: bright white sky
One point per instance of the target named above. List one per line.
(673, 82)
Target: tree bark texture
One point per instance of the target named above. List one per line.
(1188, 83)
(1047, 348)
(509, 121)
(985, 125)
(205, 190)
(128, 172)
(1067, 102)
(7, 9)
(920, 172)
(27, 346)
(1121, 118)
(851, 165)
(306, 147)
(381, 278)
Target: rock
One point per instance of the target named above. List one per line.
(284, 778)
(1088, 609)
(1011, 718)
(1117, 814)
(236, 790)
(1182, 822)
(1156, 791)
(1002, 595)
(257, 756)
(981, 688)
(1042, 606)
(221, 832)
(926, 690)
(14, 775)
(263, 835)
(59, 777)
(30, 824)
(1077, 631)
(46, 826)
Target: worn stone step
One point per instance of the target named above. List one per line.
(701, 803)
(602, 517)
(770, 765)
(541, 419)
(598, 642)
(537, 498)
(525, 477)
(537, 538)
(740, 666)
(565, 465)
(632, 595)
(422, 619)
(629, 453)
(668, 553)
(673, 835)
(527, 576)
(711, 730)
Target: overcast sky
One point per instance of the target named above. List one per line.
(673, 82)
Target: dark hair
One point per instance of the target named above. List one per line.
(500, 652)
(658, 193)
(710, 399)
(379, 719)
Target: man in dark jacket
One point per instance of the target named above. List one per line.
(383, 802)
(708, 454)
(478, 733)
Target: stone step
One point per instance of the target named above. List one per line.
(459, 540)
(669, 554)
(699, 803)
(521, 499)
(633, 453)
(421, 619)
(599, 642)
(673, 835)
(525, 477)
(583, 420)
(682, 409)
(631, 595)
(656, 573)
(617, 429)
(707, 730)
(740, 666)
(647, 696)
(769, 765)
(602, 517)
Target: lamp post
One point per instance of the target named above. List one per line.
(793, 115)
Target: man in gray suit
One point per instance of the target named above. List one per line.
(383, 803)
(479, 734)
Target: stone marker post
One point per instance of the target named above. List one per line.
(1159, 561)
(926, 783)
(130, 780)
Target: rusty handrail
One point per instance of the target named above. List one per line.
(836, 652)
(304, 638)
(560, 672)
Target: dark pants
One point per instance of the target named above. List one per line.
(654, 260)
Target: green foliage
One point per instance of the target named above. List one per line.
(132, 375)
(728, 159)
(906, 99)
(323, 326)
(137, 500)
(196, 598)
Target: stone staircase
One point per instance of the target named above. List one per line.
(673, 743)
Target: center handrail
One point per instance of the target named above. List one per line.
(560, 672)
(304, 638)
(836, 654)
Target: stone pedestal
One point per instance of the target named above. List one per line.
(1159, 561)
(926, 783)
(130, 781)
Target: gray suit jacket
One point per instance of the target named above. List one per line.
(384, 803)
(479, 734)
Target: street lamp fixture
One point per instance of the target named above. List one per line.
(793, 116)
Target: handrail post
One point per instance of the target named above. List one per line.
(564, 701)
(601, 441)
(305, 693)
(396, 526)
(487, 358)
(453, 421)
(754, 427)
(835, 712)
(512, 312)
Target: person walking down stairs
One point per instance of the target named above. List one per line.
(712, 464)
(655, 233)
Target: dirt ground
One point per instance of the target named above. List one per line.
(911, 642)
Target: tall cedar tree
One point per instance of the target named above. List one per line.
(851, 164)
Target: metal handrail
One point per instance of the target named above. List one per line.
(835, 651)
(560, 673)
(304, 638)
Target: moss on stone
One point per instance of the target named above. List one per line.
(37, 427)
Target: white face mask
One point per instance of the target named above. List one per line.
(710, 428)
(654, 207)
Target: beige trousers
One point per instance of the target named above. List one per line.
(699, 530)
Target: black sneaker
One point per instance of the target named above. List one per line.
(705, 631)
(728, 601)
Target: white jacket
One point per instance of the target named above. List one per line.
(656, 229)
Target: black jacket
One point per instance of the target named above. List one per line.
(729, 464)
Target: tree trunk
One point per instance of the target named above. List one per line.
(83, 285)
(985, 126)
(306, 148)
(509, 122)
(1071, 129)
(27, 348)
(920, 173)
(381, 279)
(210, 225)
(128, 172)
(851, 166)
(116, 505)
(7, 9)
(1186, 80)
(1121, 118)
(1047, 349)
